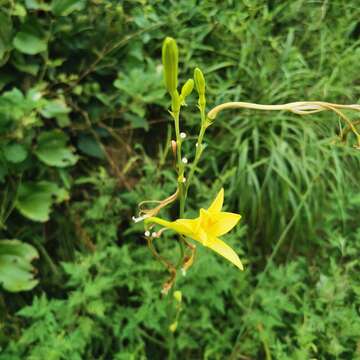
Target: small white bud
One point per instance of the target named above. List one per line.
(182, 135)
(140, 218)
(184, 160)
(154, 234)
(196, 145)
(147, 233)
(184, 180)
(183, 272)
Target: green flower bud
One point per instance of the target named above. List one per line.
(199, 81)
(187, 88)
(175, 102)
(178, 296)
(170, 61)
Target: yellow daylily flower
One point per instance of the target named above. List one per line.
(207, 228)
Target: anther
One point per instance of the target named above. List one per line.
(140, 218)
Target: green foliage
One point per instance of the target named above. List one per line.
(15, 265)
(84, 138)
(35, 199)
(305, 308)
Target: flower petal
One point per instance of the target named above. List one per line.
(226, 251)
(181, 226)
(190, 224)
(225, 221)
(218, 202)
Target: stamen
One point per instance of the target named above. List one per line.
(140, 218)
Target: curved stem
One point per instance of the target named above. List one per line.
(299, 107)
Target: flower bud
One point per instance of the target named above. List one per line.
(187, 88)
(178, 296)
(199, 81)
(173, 326)
(173, 147)
(170, 61)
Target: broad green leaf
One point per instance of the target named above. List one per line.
(89, 146)
(55, 108)
(5, 34)
(35, 199)
(15, 153)
(37, 5)
(16, 271)
(53, 151)
(30, 41)
(66, 7)
(19, 11)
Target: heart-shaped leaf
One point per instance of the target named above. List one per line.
(16, 271)
(15, 153)
(29, 40)
(53, 151)
(35, 199)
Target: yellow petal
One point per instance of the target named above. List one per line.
(190, 224)
(181, 226)
(226, 251)
(224, 222)
(217, 203)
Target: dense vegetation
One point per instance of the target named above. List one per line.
(85, 136)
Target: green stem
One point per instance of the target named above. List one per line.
(199, 150)
(180, 170)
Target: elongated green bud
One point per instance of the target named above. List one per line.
(170, 59)
(187, 89)
(199, 81)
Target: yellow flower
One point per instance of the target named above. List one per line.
(207, 228)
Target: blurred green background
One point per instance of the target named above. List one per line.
(84, 137)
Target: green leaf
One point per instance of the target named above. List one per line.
(35, 199)
(89, 146)
(15, 153)
(29, 40)
(16, 271)
(66, 7)
(26, 65)
(55, 108)
(52, 150)
(19, 11)
(37, 5)
(5, 34)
